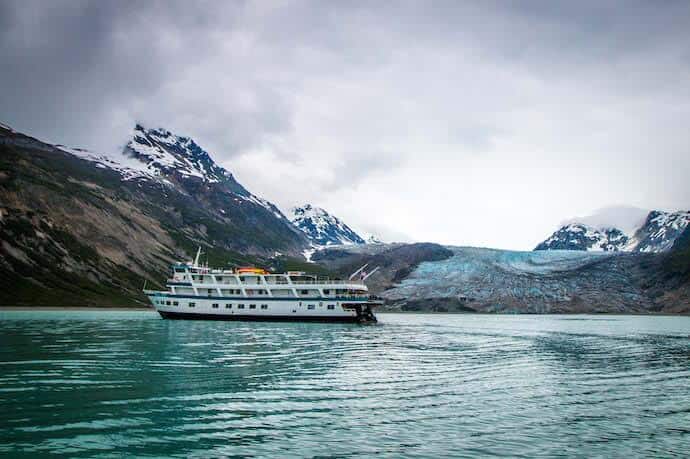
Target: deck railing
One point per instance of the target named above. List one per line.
(294, 282)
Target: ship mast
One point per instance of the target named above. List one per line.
(196, 259)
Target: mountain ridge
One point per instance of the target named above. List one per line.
(657, 234)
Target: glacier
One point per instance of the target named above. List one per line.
(493, 280)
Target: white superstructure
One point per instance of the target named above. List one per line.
(198, 292)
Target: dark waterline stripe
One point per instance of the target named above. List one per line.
(256, 318)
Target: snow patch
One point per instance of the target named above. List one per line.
(308, 253)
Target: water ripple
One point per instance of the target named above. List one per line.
(106, 384)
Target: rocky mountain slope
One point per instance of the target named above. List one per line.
(659, 231)
(657, 234)
(577, 236)
(322, 228)
(395, 261)
(78, 228)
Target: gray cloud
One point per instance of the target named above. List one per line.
(481, 112)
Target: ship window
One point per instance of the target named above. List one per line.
(228, 306)
(252, 306)
(326, 292)
(175, 303)
(331, 306)
(167, 303)
(264, 306)
(191, 305)
(240, 306)
(304, 292)
(210, 291)
(214, 305)
(311, 306)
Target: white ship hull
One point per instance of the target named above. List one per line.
(263, 309)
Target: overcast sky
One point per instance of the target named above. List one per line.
(470, 123)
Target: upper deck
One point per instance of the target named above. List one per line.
(196, 276)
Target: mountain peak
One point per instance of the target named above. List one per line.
(169, 153)
(321, 227)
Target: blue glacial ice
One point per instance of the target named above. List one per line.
(540, 281)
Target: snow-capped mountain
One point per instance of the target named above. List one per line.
(578, 236)
(657, 234)
(660, 230)
(323, 228)
(156, 153)
(159, 155)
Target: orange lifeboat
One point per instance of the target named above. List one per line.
(251, 270)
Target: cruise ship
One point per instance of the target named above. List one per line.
(199, 292)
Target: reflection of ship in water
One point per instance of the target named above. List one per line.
(199, 292)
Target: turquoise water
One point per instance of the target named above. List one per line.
(108, 384)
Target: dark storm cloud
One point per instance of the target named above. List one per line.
(64, 63)
(71, 69)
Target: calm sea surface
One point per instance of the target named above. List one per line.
(109, 384)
